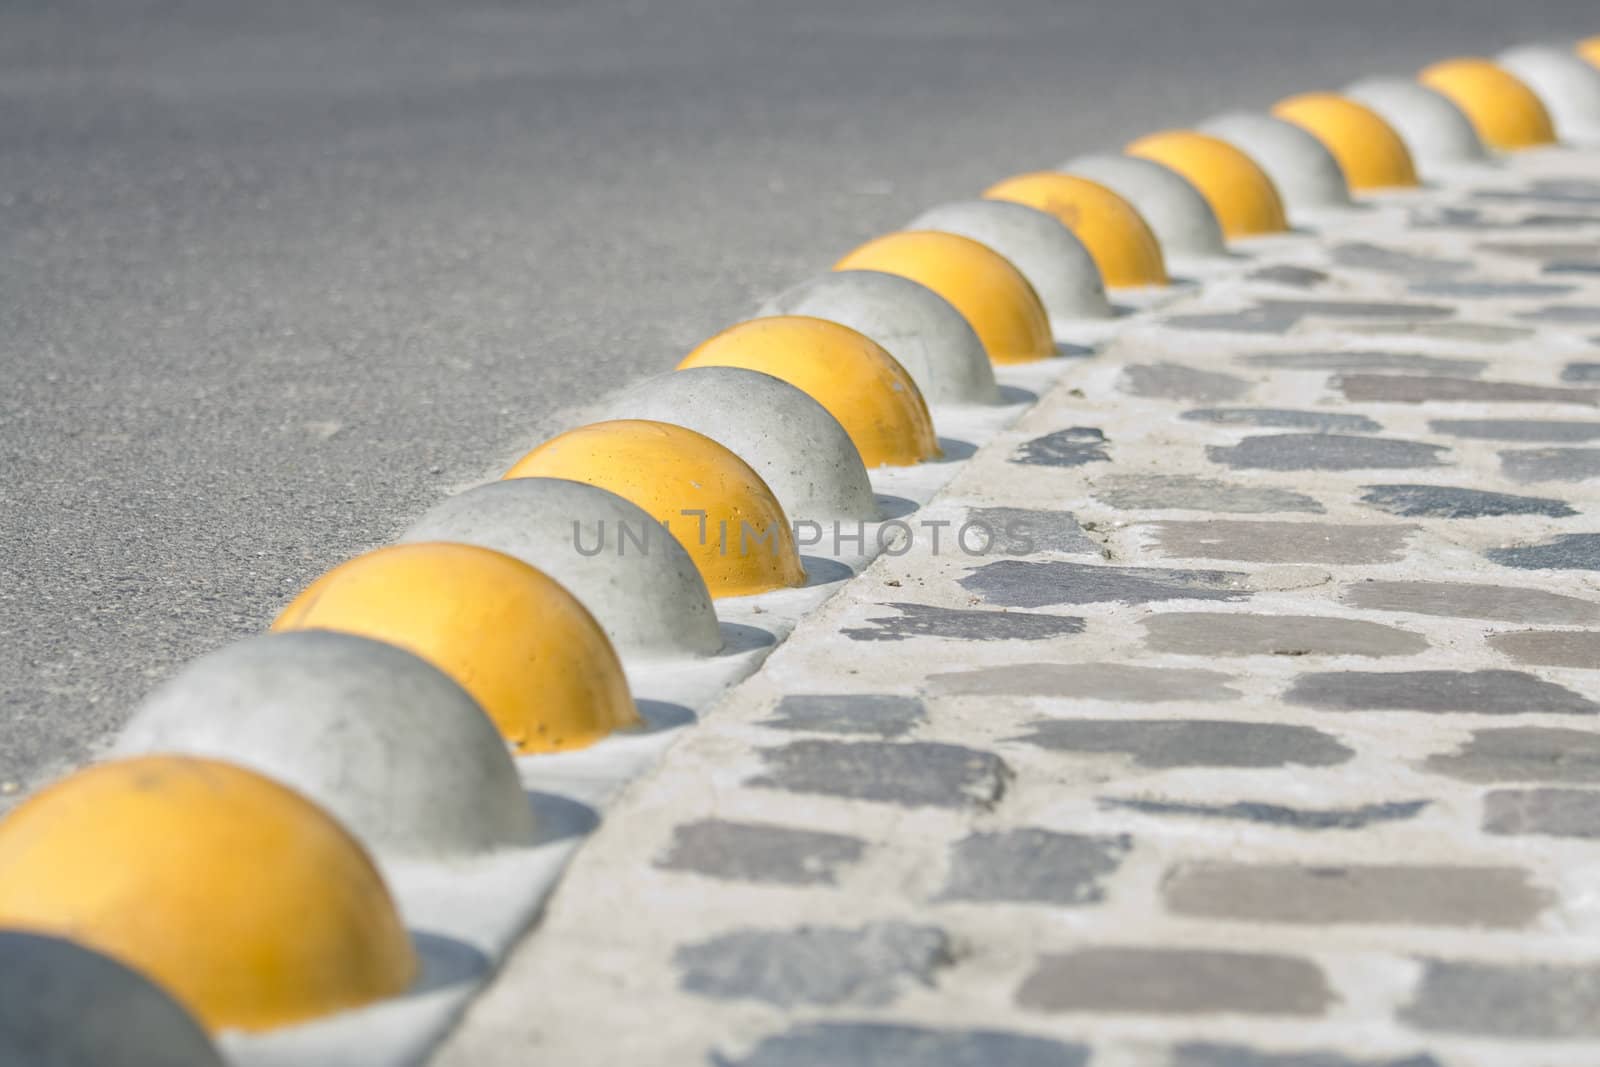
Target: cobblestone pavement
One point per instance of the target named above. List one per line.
(1277, 750)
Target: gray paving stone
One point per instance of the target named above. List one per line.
(1564, 314)
(1072, 447)
(1245, 320)
(1025, 584)
(869, 966)
(1523, 754)
(1555, 430)
(1557, 190)
(1087, 681)
(1492, 692)
(1365, 361)
(1325, 452)
(1478, 333)
(1358, 309)
(1563, 190)
(1032, 866)
(922, 620)
(1264, 541)
(1554, 220)
(1024, 531)
(1469, 219)
(1506, 1000)
(1174, 381)
(1581, 372)
(909, 773)
(1468, 600)
(1551, 464)
(1454, 502)
(1321, 421)
(1289, 274)
(1175, 982)
(865, 1044)
(1457, 218)
(1356, 818)
(1479, 290)
(1548, 812)
(760, 852)
(1180, 492)
(1569, 552)
(1203, 1054)
(1361, 255)
(1551, 648)
(1215, 633)
(1164, 743)
(1538, 249)
(1442, 895)
(1418, 389)
(1572, 266)
(876, 714)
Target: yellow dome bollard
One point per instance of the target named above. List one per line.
(1116, 235)
(525, 648)
(991, 294)
(849, 374)
(1504, 111)
(236, 895)
(714, 504)
(1368, 149)
(1238, 190)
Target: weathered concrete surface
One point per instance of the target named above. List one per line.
(1280, 751)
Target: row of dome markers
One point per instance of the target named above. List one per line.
(215, 874)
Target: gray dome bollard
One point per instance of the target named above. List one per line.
(1437, 132)
(918, 327)
(388, 744)
(1178, 214)
(1567, 85)
(1305, 172)
(801, 452)
(1049, 255)
(62, 1005)
(637, 581)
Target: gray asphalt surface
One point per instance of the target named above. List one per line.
(275, 277)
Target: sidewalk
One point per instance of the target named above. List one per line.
(1275, 744)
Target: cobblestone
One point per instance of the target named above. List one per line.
(758, 852)
(1523, 754)
(1290, 893)
(1280, 542)
(924, 620)
(1492, 692)
(1473, 601)
(1450, 502)
(1159, 492)
(1033, 866)
(1556, 812)
(1021, 584)
(848, 713)
(1325, 452)
(912, 774)
(1498, 1000)
(825, 966)
(886, 1045)
(1207, 633)
(1193, 743)
(1176, 981)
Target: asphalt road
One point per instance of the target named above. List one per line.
(275, 277)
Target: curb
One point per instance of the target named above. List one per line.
(451, 713)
